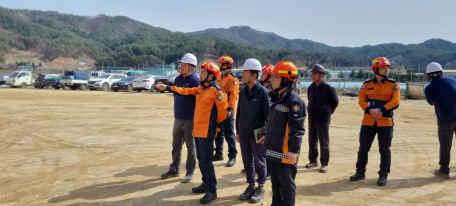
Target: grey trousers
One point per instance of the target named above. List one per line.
(183, 132)
(446, 132)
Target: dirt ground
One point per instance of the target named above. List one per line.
(106, 148)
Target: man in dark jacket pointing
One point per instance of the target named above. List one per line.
(322, 103)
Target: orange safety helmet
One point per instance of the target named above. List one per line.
(212, 67)
(380, 62)
(286, 69)
(226, 60)
(268, 68)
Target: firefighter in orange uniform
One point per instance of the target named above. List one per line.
(210, 112)
(378, 98)
(230, 84)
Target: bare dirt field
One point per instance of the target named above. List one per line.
(109, 148)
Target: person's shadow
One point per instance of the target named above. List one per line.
(343, 185)
(164, 197)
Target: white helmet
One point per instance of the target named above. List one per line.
(190, 59)
(433, 67)
(252, 64)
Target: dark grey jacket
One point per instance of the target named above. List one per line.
(323, 101)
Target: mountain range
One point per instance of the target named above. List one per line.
(124, 41)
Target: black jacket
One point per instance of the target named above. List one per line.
(252, 110)
(285, 126)
(323, 101)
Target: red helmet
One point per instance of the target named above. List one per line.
(380, 62)
(286, 69)
(268, 69)
(226, 60)
(211, 66)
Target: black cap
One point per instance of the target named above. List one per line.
(318, 68)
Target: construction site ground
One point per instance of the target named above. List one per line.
(109, 148)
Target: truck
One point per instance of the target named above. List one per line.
(53, 82)
(104, 81)
(40, 81)
(21, 79)
(75, 80)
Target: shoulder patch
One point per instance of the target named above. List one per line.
(396, 87)
(220, 97)
(235, 82)
(296, 108)
(363, 86)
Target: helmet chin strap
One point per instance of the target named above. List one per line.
(221, 68)
(378, 73)
(266, 80)
(205, 80)
(283, 83)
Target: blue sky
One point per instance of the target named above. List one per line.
(336, 22)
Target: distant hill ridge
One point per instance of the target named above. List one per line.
(128, 42)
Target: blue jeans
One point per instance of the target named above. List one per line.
(205, 154)
(227, 132)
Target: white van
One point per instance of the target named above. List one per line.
(20, 79)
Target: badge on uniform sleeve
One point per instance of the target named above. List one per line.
(362, 86)
(219, 97)
(235, 82)
(296, 108)
(396, 87)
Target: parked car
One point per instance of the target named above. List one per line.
(53, 82)
(125, 84)
(95, 74)
(75, 79)
(40, 80)
(104, 81)
(20, 79)
(144, 83)
(3, 79)
(166, 80)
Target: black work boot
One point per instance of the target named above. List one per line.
(231, 162)
(247, 193)
(382, 176)
(168, 174)
(218, 156)
(359, 175)
(208, 197)
(258, 195)
(200, 189)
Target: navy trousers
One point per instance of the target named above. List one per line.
(227, 133)
(252, 159)
(283, 183)
(366, 137)
(205, 154)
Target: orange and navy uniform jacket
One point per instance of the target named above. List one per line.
(230, 85)
(387, 90)
(285, 127)
(210, 109)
